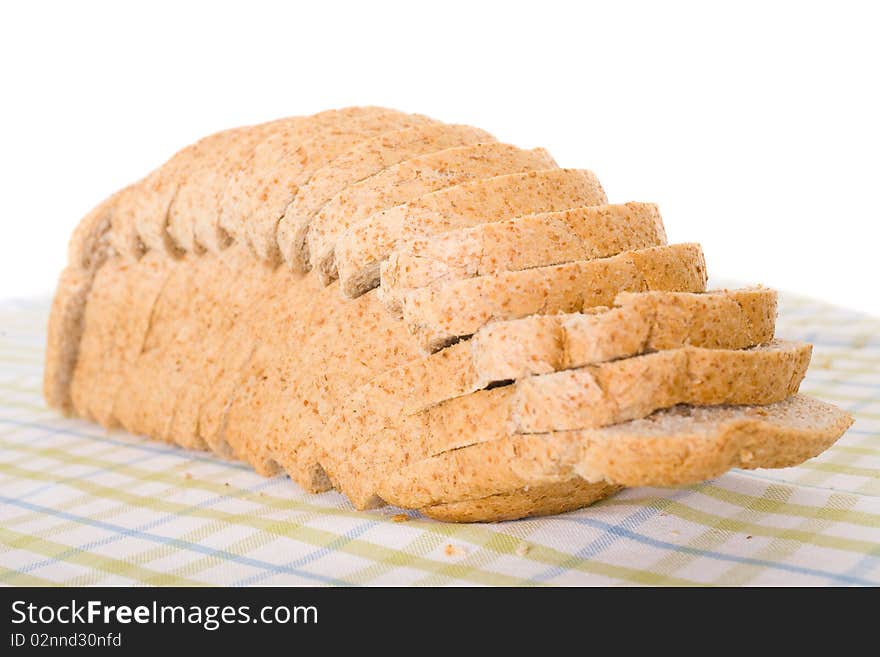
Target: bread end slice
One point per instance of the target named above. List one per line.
(543, 500)
(87, 251)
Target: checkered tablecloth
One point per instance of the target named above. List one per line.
(81, 506)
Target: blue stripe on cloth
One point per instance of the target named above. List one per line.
(720, 556)
(606, 538)
(123, 532)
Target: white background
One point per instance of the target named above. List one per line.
(755, 127)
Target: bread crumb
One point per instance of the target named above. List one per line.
(451, 550)
(226, 483)
(823, 362)
(675, 532)
(860, 341)
(187, 475)
(400, 517)
(749, 537)
(522, 549)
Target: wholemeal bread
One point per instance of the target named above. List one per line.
(266, 337)
(408, 180)
(205, 188)
(155, 213)
(362, 161)
(174, 320)
(674, 447)
(592, 396)
(528, 501)
(166, 223)
(535, 240)
(88, 250)
(113, 339)
(255, 201)
(541, 344)
(439, 316)
(360, 250)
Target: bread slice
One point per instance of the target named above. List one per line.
(198, 189)
(255, 200)
(360, 250)
(408, 180)
(674, 447)
(362, 161)
(439, 316)
(322, 348)
(541, 344)
(277, 353)
(597, 395)
(145, 211)
(202, 193)
(535, 240)
(162, 199)
(88, 250)
(528, 501)
(150, 196)
(117, 319)
(626, 389)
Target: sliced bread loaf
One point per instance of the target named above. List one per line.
(592, 396)
(360, 250)
(535, 240)
(224, 350)
(362, 161)
(408, 180)
(674, 447)
(439, 316)
(541, 344)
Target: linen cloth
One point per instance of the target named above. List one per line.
(83, 506)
